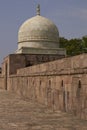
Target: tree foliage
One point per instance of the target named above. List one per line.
(74, 46)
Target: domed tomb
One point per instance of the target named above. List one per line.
(38, 32)
(38, 35)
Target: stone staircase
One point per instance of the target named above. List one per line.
(18, 114)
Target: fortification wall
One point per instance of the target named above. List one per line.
(1, 82)
(76, 62)
(66, 93)
(61, 84)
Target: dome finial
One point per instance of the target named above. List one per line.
(38, 9)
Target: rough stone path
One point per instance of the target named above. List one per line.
(17, 114)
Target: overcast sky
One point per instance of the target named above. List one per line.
(70, 16)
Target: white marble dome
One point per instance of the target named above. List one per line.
(38, 32)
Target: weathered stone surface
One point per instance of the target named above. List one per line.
(19, 114)
(38, 32)
(61, 84)
(67, 93)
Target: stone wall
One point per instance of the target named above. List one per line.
(1, 82)
(66, 93)
(16, 61)
(69, 64)
(61, 84)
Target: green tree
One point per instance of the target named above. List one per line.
(74, 47)
(84, 39)
(84, 42)
(63, 42)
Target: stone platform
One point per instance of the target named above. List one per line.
(18, 114)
